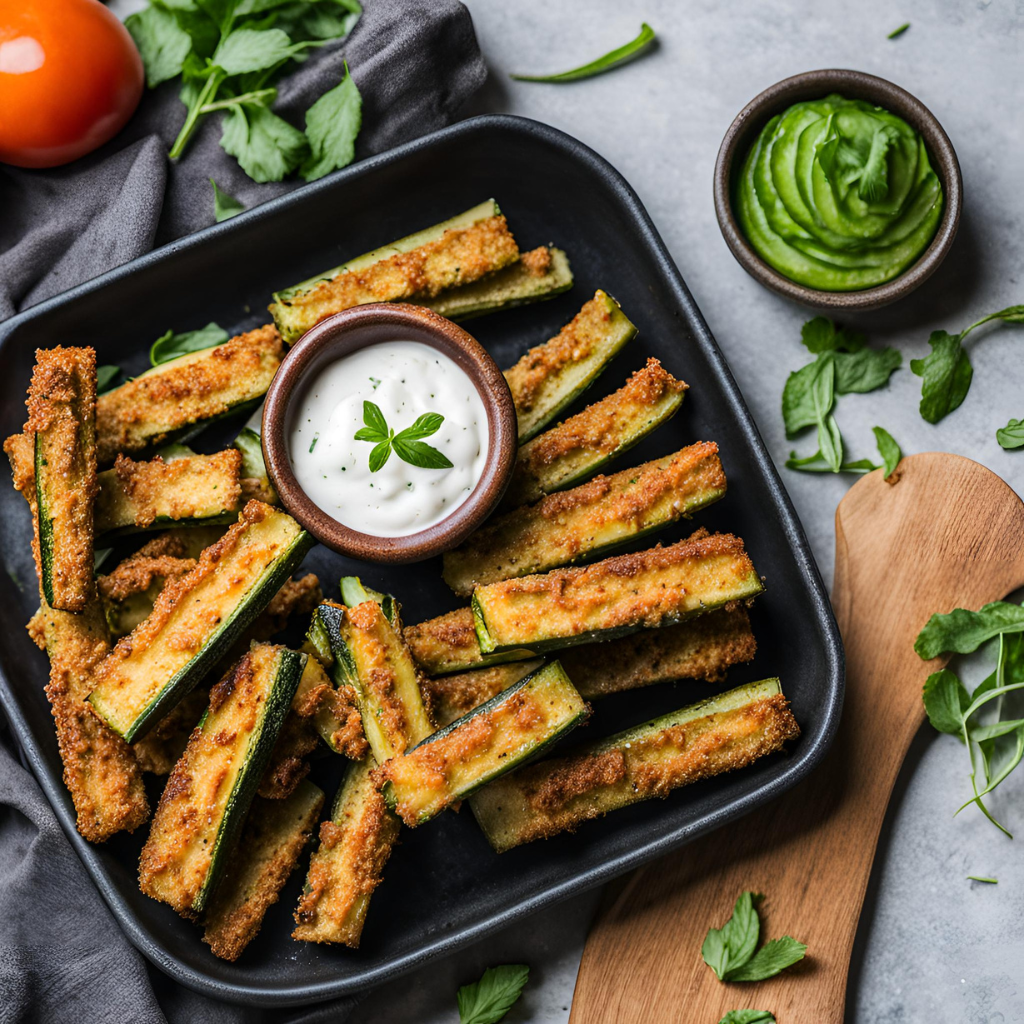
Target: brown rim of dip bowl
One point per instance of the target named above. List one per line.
(813, 85)
(348, 332)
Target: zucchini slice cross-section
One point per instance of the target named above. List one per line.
(210, 789)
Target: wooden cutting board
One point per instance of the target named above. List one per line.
(948, 533)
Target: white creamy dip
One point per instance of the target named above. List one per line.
(404, 379)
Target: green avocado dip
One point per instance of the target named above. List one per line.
(838, 194)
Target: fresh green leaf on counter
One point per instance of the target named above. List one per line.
(816, 464)
(962, 631)
(982, 878)
(332, 124)
(897, 32)
(748, 1017)
(946, 371)
(170, 345)
(224, 206)
(888, 449)
(1012, 435)
(730, 950)
(866, 370)
(821, 335)
(488, 1000)
(614, 59)
(106, 378)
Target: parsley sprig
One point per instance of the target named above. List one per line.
(995, 747)
(488, 1000)
(406, 444)
(730, 950)
(228, 54)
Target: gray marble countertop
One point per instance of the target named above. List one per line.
(932, 946)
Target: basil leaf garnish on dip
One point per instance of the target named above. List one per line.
(406, 444)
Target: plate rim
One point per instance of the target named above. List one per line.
(798, 766)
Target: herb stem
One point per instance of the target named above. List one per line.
(257, 96)
(206, 94)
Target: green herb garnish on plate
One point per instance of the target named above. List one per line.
(407, 444)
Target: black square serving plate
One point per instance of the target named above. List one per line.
(443, 887)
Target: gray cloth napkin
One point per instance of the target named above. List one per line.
(63, 957)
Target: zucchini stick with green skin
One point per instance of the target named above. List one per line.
(174, 400)
(448, 643)
(643, 590)
(276, 833)
(539, 274)
(455, 252)
(210, 789)
(702, 648)
(347, 867)
(551, 376)
(62, 421)
(370, 655)
(196, 618)
(588, 520)
(186, 490)
(717, 735)
(569, 453)
(491, 740)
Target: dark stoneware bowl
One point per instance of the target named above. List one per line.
(347, 332)
(853, 85)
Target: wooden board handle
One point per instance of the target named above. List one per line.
(949, 533)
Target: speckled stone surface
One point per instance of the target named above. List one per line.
(933, 947)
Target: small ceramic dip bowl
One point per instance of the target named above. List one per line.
(852, 85)
(343, 335)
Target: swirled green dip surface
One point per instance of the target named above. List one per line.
(838, 194)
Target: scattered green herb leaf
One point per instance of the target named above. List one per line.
(982, 878)
(945, 701)
(227, 52)
(729, 950)
(170, 345)
(614, 59)
(406, 444)
(312, 444)
(962, 631)
(332, 124)
(748, 1017)
(1012, 435)
(488, 1000)
(816, 464)
(106, 378)
(897, 32)
(888, 449)
(946, 371)
(224, 206)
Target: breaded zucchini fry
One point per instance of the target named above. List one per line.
(62, 421)
(164, 402)
(588, 520)
(275, 835)
(643, 590)
(714, 736)
(448, 643)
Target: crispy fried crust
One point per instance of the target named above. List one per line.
(567, 526)
(701, 648)
(573, 343)
(644, 589)
(200, 386)
(340, 708)
(458, 257)
(275, 835)
(136, 494)
(61, 420)
(138, 572)
(159, 750)
(537, 261)
(347, 867)
(561, 793)
(451, 697)
(100, 770)
(590, 436)
(288, 761)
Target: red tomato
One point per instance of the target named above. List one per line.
(70, 77)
